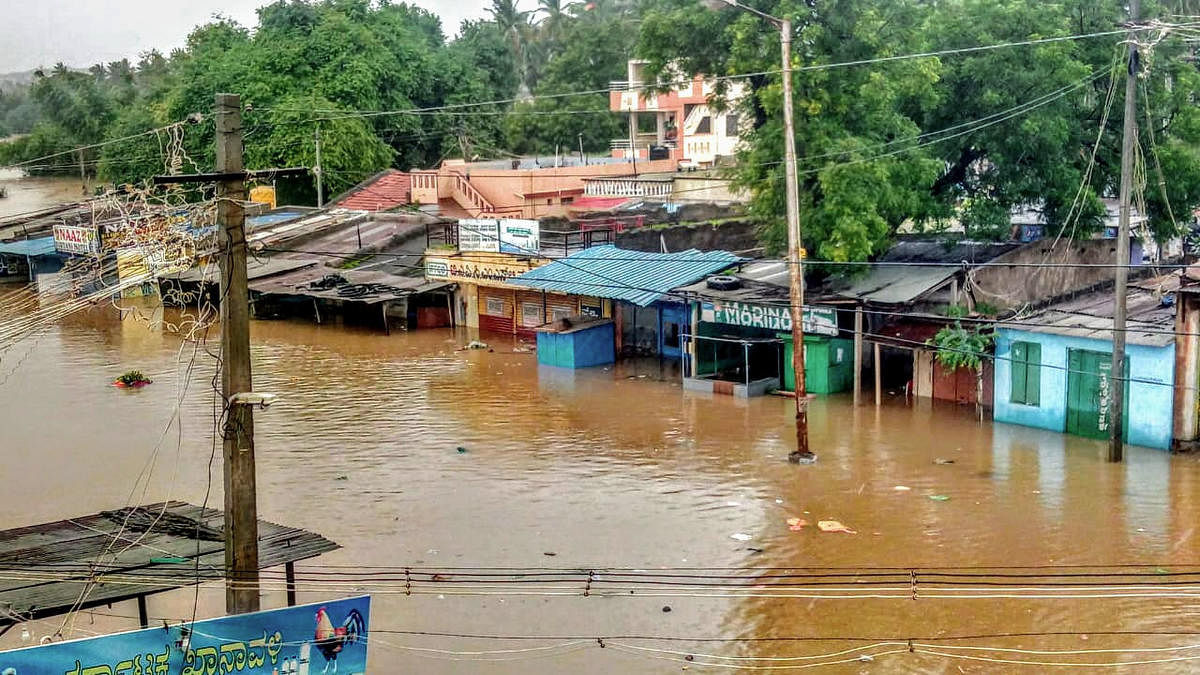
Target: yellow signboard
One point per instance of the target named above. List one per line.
(131, 265)
(493, 269)
(263, 194)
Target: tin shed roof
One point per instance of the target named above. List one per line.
(30, 247)
(1149, 303)
(618, 274)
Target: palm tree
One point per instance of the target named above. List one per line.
(514, 24)
(555, 14)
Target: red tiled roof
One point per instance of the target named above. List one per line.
(387, 191)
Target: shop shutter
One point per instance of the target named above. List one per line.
(495, 310)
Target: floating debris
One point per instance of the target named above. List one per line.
(834, 526)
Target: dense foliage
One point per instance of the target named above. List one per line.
(873, 153)
(963, 137)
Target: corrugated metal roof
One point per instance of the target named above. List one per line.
(895, 285)
(41, 246)
(1151, 314)
(774, 272)
(619, 274)
(256, 268)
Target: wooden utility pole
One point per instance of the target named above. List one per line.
(241, 501)
(802, 454)
(1116, 380)
(858, 345)
(318, 171)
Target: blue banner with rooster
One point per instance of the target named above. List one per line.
(325, 637)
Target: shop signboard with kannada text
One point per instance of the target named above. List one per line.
(817, 320)
(76, 239)
(488, 271)
(309, 639)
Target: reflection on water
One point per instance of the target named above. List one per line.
(608, 467)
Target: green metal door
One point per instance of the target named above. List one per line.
(1089, 386)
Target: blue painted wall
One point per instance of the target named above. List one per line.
(579, 349)
(1150, 401)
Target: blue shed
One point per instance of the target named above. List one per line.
(1053, 371)
(578, 342)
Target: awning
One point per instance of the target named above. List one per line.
(620, 274)
(29, 247)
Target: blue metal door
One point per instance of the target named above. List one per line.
(672, 324)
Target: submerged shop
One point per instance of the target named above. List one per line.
(649, 319)
(740, 340)
(486, 300)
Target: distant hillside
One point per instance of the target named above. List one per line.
(15, 79)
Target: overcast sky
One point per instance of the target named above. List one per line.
(82, 32)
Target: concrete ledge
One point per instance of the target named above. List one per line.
(755, 388)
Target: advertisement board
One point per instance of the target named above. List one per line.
(76, 239)
(308, 639)
(504, 235)
(817, 320)
(519, 237)
(479, 234)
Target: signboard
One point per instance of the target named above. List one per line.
(505, 235)
(817, 320)
(309, 639)
(593, 307)
(76, 239)
(133, 272)
(519, 237)
(479, 235)
(483, 272)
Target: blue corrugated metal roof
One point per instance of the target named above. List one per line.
(41, 246)
(618, 274)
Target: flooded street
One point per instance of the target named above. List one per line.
(24, 194)
(600, 468)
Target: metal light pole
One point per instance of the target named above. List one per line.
(802, 454)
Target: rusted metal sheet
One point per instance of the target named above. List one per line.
(139, 554)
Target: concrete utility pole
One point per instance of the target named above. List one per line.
(802, 454)
(241, 501)
(1117, 378)
(317, 170)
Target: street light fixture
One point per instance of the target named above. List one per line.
(801, 455)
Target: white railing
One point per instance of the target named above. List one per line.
(624, 144)
(627, 187)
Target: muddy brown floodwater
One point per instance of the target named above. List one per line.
(616, 468)
(24, 194)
